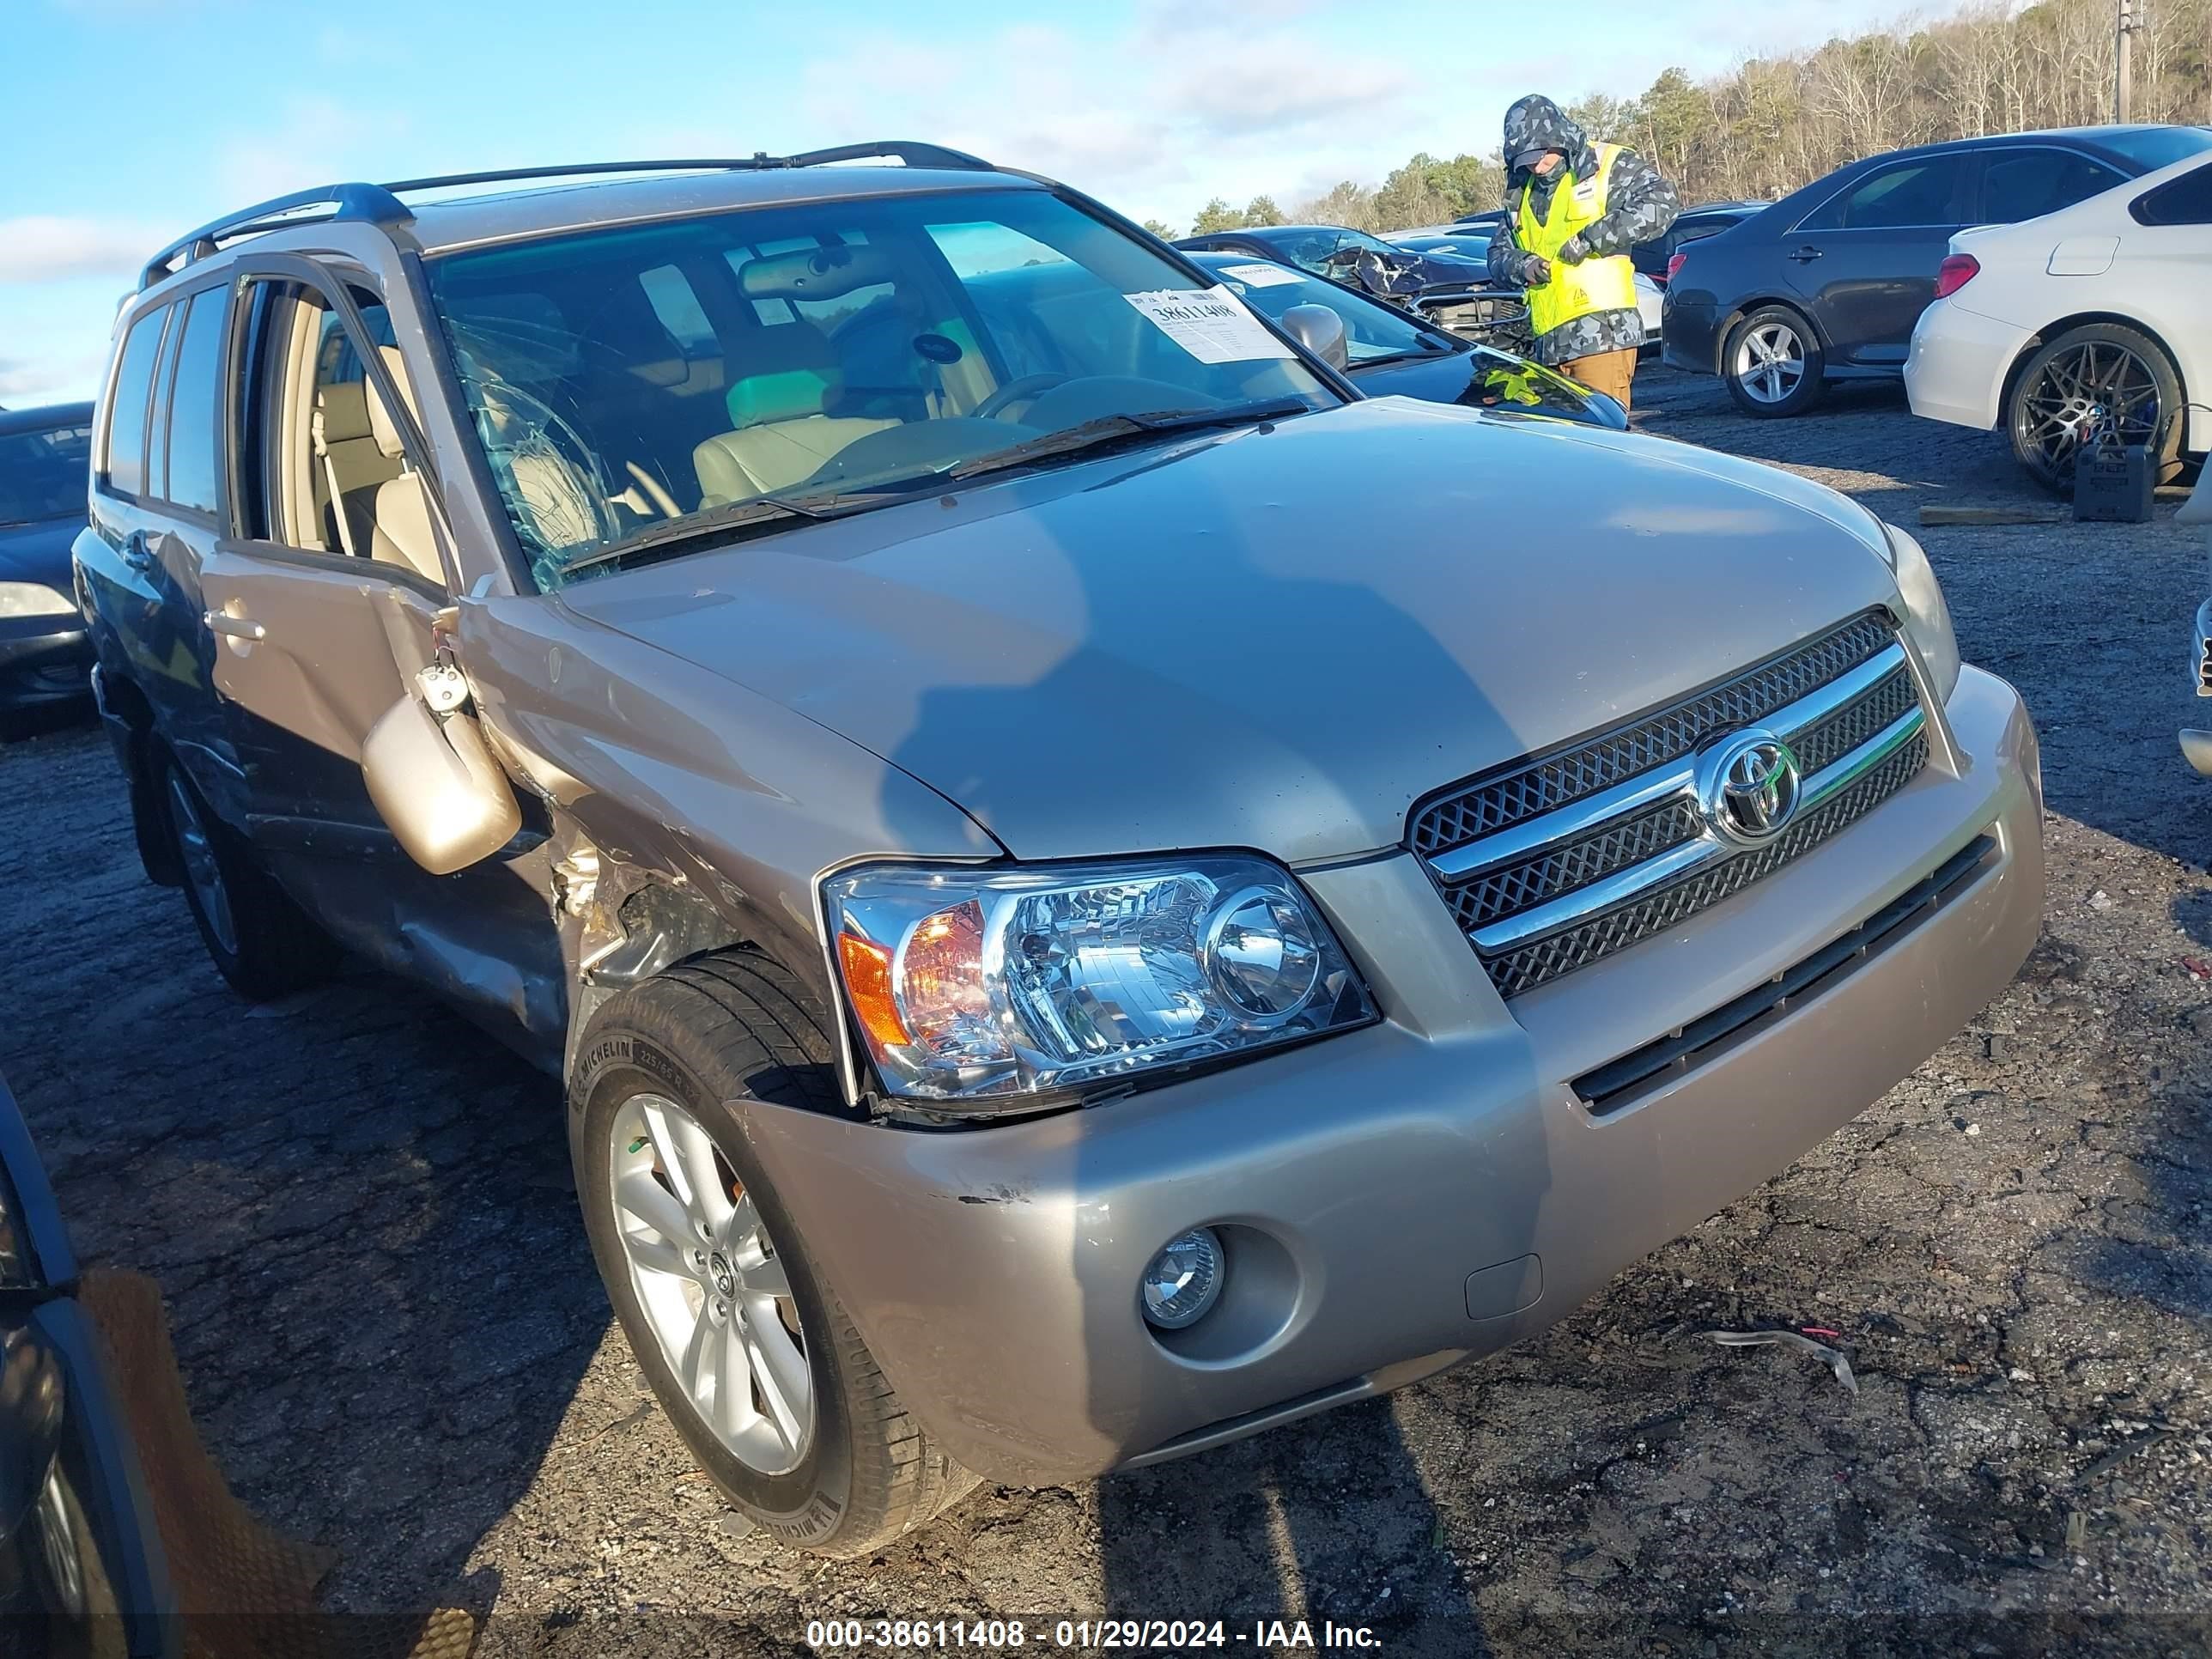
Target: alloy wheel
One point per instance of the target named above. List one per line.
(1769, 362)
(713, 1289)
(203, 868)
(2096, 388)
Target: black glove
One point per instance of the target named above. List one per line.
(1574, 250)
(1535, 271)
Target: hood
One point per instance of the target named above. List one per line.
(1537, 123)
(1277, 637)
(1480, 377)
(38, 552)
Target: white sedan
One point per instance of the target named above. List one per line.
(2087, 322)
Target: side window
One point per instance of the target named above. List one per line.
(123, 455)
(192, 447)
(157, 418)
(334, 477)
(1903, 197)
(2183, 201)
(2028, 183)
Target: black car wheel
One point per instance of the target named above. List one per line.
(1772, 363)
(258, 939)
(2102, 378)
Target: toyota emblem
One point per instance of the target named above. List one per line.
(1749, 787)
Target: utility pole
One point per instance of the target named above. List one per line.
(2123, 67)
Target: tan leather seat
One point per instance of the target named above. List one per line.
(351, 461)
(390, 519)
(788, 376)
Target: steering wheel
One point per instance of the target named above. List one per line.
(1028, 387)
(649, 491)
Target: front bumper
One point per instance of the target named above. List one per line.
(44, 659)
(1956, 366)
(1406, 1196)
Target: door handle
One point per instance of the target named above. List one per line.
(234, 627)
(138, 552)
(1806, 255)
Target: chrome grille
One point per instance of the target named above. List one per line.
(1521, 886)
(1657, 911)
(1602, 844)
(1597, 763)
(1823, 744)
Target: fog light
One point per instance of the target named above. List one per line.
(1184, 1279)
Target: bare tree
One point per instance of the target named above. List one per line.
(1772, 124)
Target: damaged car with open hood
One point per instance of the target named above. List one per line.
(1094, 890)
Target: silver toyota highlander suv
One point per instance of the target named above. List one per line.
(1094, 891)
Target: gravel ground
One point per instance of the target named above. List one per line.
(395, 1342)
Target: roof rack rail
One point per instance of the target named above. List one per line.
(898, 150)
(371, 202)
(380, 203)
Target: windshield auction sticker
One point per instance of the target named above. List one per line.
(1211, 324)
(1262, 276)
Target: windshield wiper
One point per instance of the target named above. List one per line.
(1112, 428)
(720, 521)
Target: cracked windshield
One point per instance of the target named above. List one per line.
(637, 390)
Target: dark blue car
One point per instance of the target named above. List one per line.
(46, 465)
(1389, 353)
(1827, 283)
(1449, 289)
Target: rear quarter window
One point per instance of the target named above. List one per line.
(2183, 201)
(123, 453)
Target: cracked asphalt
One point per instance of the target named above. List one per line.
(394, 1342)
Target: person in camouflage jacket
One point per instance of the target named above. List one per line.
(1598, 346)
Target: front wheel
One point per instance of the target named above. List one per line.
(1773, 364)
(2099, 379)
(744, 1342)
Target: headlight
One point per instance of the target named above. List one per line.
(1927, 618)
(978, 984)
(32, 599)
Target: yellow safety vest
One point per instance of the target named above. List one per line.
(1606, 284)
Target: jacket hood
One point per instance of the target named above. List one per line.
(1536, 123)
(1276, 637)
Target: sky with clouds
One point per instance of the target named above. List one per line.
(133, 120)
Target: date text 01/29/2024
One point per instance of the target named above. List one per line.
(1083, 1635)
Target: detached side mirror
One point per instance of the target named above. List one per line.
(1320, 330)
(437, 786)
